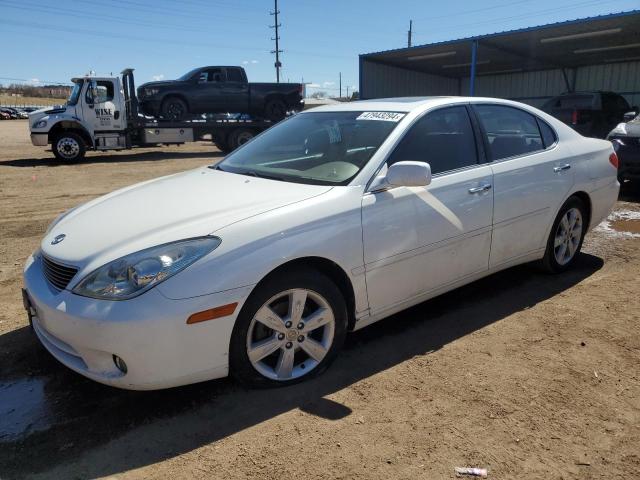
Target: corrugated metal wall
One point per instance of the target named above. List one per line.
(533, 88)
(380, 81)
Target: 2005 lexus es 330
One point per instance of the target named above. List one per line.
(329, 221)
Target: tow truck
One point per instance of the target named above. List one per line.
(103, 113)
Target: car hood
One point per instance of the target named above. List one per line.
(185, 205)
(163, 83)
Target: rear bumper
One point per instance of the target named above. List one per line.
(39, 139)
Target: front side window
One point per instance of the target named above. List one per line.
(509, 131)
(324, 148)
(100, 91)
(213, 75)
(443, 138)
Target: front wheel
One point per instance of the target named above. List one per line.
(290, 329)
(68, 146)
(567, 234)
(174, 108)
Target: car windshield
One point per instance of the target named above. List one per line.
(324, 148)
(188, 75)
(75, 93)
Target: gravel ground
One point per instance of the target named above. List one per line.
(526, 374)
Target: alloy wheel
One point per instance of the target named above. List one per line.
(290, 334)
(568, 236)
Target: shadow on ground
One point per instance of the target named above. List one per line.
(57, 415)
(109, 157)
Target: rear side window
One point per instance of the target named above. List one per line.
(234, 75)
(510, 131)
(444, 139)
(548, 135)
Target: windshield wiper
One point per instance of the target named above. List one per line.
(251, 173)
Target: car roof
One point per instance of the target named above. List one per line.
(406, 104)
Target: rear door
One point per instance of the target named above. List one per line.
(421, 239)
(235, 92)
(531, 176)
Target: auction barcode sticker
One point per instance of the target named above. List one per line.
(382, 116)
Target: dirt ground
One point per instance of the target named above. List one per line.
(526, 374)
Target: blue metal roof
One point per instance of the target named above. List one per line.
(585, 20)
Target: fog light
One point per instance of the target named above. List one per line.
(119, 363)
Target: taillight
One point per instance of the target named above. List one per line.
(613, 159)
(574, 117)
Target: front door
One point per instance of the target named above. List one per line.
(419, 240)
(207, 94)
(100, 110)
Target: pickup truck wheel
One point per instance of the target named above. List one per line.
(68, 146)
(174, 108)
(240, 137)
(275, 110)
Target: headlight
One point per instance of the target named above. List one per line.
(134, 274)
(150, 91)
(40, 124)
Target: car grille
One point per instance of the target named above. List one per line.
(58, 275)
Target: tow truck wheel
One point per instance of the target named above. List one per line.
(240, 137)
(69, 146)
(174, 108)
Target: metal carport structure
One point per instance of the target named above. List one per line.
(530, 64)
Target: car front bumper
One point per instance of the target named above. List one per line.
(39, 139)
(148, 332)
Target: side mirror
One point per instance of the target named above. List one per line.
(404, 174)
(627, 117)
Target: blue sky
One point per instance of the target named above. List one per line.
(53, 41)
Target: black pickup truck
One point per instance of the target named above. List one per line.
(219, 90)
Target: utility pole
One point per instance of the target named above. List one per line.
(340, 76)
(277, 51)
(409, 33)
(347, 91)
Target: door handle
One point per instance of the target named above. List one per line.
(481, 188)
(561, 168)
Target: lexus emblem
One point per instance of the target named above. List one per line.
(58, 239)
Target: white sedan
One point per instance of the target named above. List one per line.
(329, 221)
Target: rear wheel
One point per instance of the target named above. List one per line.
(567, 234)
(174, 108)
(240, 137)
(68, 146)
(290, 329)
(275, 110)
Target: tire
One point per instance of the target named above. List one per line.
(69, 147)
(222, 145)
(251, 340)
(239, 137)
(174, 108)
(275, 110)
(566, 236)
